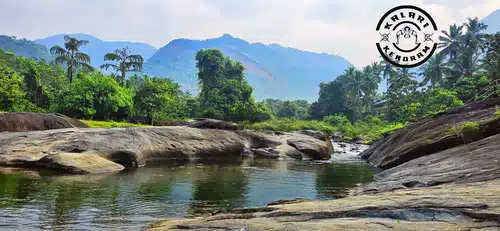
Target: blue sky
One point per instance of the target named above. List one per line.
(338, 27)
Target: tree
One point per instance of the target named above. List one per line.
(125, 62)
(160, 99)
(474, 38)
(70, 56)
(12, 96)
(467, 59)
(225, 93)
(96, 96)
(434, 70)
(491, 61)
(400, 93)
(289, 109)
(451, 42)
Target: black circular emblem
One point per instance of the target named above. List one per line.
(408, 36)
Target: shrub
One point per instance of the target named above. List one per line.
(469, 127)
(96, 96)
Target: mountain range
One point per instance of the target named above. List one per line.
(493, 22)
(274, 71)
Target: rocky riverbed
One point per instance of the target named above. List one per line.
(440, 175)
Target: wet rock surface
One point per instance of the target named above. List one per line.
(473, 206)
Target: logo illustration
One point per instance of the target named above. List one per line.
(408, 36)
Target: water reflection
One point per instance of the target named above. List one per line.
(130, 200)
(335, 180)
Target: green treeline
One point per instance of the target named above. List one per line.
(69, 85)
(469, 61)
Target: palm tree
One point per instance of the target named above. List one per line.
(451, 42)
(388, 72)
(404, 81)
(434, 70)
(71, 57)
(474, 38)
(125, 62)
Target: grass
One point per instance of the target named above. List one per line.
(497, 113)
(369, 129)
(290, 124)
(110, 124)
(469, 127)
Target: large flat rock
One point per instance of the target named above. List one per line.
(462, 207)
(136, 146)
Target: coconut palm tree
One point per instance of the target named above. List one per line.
(404, 81)
(125, 62)
(451, 42)
(388, 72)
(434, 70)
(70, 56)
(474, 38)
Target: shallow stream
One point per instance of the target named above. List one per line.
(132, 199)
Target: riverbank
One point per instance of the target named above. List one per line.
(440, 175)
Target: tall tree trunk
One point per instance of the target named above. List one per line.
(70, 73)
(123, 78)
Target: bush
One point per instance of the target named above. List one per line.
(96, 96)
(369, 129)
(290, 124)
(469, 127)
(109, 124)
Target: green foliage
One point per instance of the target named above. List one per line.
(351, 94)
(340, 122)
(369, 129)
(125, 62)
(109, 124)
(469, 127)
(12, 96)
(290, 124)
(225, 93)
(423, 104)
(160, 98)
(297, 109)
(71, 57)
(96, 96)
(497, 113)
(469, 87)
(372, 128)
(491, 61)
(24, 47)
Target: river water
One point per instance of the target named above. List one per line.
(132, 199)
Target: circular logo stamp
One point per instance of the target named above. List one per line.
(408, 36)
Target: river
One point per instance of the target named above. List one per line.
(132, 199)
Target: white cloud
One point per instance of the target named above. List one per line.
(345, 28)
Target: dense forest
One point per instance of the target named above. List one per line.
(466, 69)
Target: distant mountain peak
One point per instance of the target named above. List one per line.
(227, 36)
(273, 70)
(493, 22)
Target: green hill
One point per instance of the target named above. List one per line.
(24, 47)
